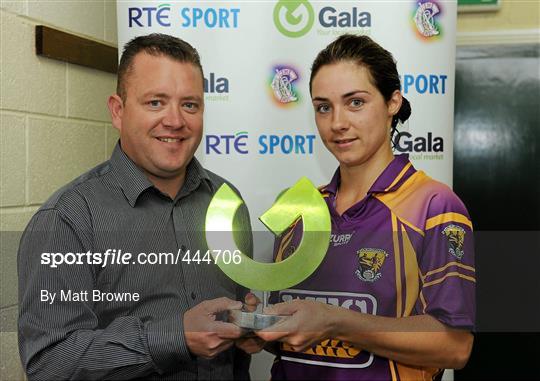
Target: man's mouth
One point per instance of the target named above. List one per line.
(170, 140)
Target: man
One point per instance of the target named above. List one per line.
(153, 314)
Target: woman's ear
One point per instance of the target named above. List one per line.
(394, 103)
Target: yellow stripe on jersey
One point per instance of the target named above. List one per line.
(412, 373)
(447, 217)
(397, 260)
(284, 244)
(408, 200)
(418, 230)
(423, 300)
(411, 273)
(392, 370)
(454, 273)
(399, 177)
(457, 264)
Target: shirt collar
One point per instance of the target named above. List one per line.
(134, 182)
(395, 174)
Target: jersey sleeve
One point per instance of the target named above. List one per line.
(446, 263)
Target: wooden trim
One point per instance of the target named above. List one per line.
(55, 44)
(499, 37)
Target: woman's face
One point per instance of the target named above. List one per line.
(351, 114)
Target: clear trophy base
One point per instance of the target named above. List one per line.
(252, 320)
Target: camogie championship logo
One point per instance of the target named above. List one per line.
(425, 18)
(456, 237)
(370, 262)
(282, 85)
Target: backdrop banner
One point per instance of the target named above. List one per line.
(259, 129)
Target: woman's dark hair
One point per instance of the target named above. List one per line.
(363, 51)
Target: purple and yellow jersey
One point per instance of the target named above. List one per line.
(405, 249)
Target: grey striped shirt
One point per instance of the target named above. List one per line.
(114, 206)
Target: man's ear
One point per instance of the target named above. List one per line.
(116, 108)
(394, 104)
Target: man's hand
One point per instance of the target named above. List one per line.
(251, 343)
(205, 336)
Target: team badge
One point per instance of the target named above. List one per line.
(424, 19)
(370, 262)
(456, 236)
(282, 85)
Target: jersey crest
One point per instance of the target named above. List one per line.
(455, 236)
(370, 262)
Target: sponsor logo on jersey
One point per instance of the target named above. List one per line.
(329, 348)
(456, 237)
(334, 353)
(425, 19)
(340, 239)
(370, 262)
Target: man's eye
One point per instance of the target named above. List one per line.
(155, 103)
(192, 106)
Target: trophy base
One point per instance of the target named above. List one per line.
(252, 320)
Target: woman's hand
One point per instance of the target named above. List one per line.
(309, 323)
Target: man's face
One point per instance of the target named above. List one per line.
(161, 120)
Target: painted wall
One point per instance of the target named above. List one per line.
(54, 125)
(513, 14)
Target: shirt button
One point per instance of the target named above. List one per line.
(193, 296)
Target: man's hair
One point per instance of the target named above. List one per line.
(155, 44)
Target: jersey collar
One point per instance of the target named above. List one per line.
(395, 174)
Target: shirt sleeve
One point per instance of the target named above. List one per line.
(447, 263)
(64, 339)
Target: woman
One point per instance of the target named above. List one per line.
(394, 296)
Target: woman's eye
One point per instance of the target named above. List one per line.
(356, 102)
(323, 108)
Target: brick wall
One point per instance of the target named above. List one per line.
(54, 125)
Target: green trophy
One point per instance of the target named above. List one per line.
(302, 200)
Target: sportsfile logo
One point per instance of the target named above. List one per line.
(293, 18)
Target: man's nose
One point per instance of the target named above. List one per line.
(174, 118)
